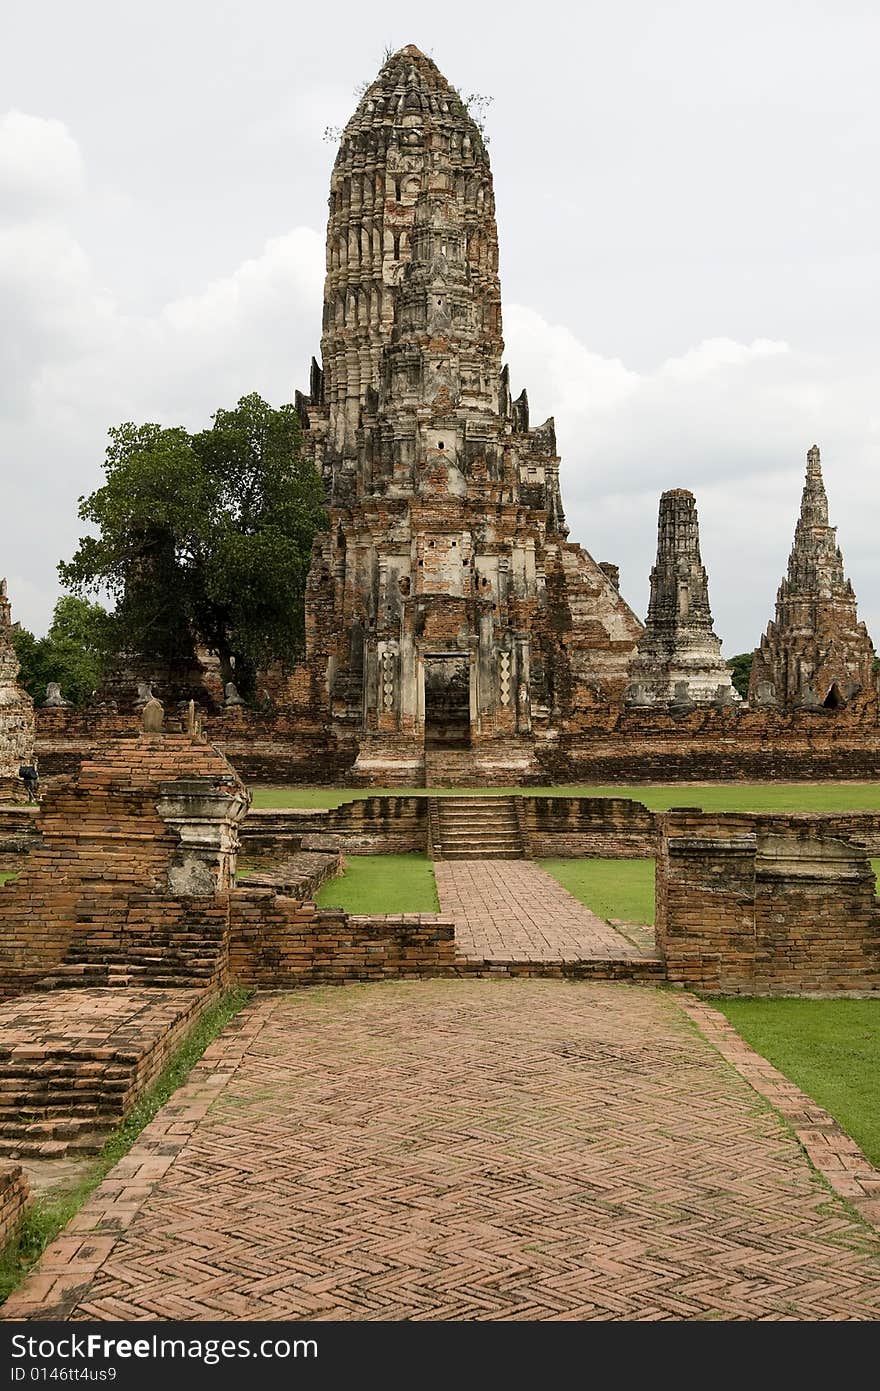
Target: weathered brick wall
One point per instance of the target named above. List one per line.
(765, 905)
(74, 1062)
(367, 826)
(280, 942)
(96, 897)
(597, 745)
(298, 875)
(569, 827)
(18, 835)
(716, 745)
(14, 1197)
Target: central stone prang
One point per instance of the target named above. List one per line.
(204, 814)
(445, 606)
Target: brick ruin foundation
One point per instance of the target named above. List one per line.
(125, 918)
(765, 905)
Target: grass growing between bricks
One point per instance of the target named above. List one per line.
(621, 889)
(382, 884)
(53, 1209)
(829, 1048)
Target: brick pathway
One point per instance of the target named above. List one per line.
(463, 1150)
(512, 910)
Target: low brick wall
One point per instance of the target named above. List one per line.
(299, 875)
(765, 905)
(573, 827)
(15, 1195)
(74, 1062)
(389, 825)
(278, 942)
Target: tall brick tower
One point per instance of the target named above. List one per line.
(446, 611)
(816, 652)
(679, 657)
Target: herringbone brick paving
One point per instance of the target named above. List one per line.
(464, 1150)
(512, 910)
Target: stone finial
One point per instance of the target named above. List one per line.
(153, 717)
(231, 696)
(54, 699)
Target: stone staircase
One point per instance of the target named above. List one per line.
(475, 828)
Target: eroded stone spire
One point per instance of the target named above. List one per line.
(816, 652)
(16, 709)
(679, 657)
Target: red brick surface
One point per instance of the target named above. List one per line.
(462, 1150)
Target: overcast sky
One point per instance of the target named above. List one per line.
(689, 217)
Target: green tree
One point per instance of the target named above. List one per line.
(71, 653)
(741, 670)
(205, 539)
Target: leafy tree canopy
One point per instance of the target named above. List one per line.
(71, 653)
(740, 671)
(205, 539)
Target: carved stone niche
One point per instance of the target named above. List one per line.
(204, 814)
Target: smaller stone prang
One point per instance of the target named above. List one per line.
(153, 717)
(16, 709)
(678, 662)
(815, 653)
(54, 699)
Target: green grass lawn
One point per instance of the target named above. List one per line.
(762, 796)
(829, 1048)
(622, 889)
(382, 884)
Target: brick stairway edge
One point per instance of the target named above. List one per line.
(831, 1151)
(70, 1263)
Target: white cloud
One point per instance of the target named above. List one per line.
(41, 167)
(731, 420)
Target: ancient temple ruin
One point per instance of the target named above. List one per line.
(446, 609)
(16, 709)
(816, 652)
(679, 659)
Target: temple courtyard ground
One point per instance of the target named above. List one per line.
(497, 1149)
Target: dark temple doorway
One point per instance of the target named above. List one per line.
(448, 701)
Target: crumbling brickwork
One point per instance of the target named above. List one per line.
(14, 1197)
(74, 1062)
(765, 905)
(130, 877)
(281, 942)
(815, 652)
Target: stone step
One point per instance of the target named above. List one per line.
(477, 853)
(25, 1148)
(483, 838)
